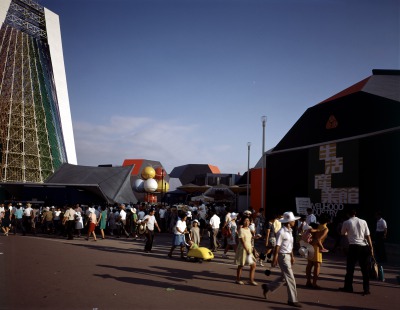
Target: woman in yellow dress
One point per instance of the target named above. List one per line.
(244, 252)
(319, 236)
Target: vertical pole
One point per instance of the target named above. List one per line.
(263, 121)
(248, 174)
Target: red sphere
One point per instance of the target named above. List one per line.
(160, 173)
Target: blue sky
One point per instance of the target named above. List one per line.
(187, 81)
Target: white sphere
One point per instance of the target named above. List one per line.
(150, 185)
(139, 185)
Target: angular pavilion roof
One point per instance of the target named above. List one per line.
(369, 107)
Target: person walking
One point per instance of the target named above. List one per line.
(283, 256)
(214, 223)
(179, 235)
(92, 223)
(360, 250)
(244, 253)
(380, 238)
(69, 221)
(150, 221)
(6, 221)
(103, 220)
(231, 239)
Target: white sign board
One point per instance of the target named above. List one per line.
(302, 204)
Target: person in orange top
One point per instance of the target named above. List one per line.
(315, 261)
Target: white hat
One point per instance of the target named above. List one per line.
(288, 217)
(134, 210)
(233, 216)
(247, 212)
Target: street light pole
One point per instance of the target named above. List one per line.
(263, 121)
(248, 173)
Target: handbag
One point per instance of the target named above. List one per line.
(249, 259)
(373, 269)
(226, 232)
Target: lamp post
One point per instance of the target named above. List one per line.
(263, 121)
(248, 173)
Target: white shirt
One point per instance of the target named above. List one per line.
(181, 225)
(28, 211)
(70, 214)
(311, 219)
(215, 221)
(161, 212)
(284, 239)
(56, 215)
(122, 214)
(151, 219)
(381, 225)
(356, 230)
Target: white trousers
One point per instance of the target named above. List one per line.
(284, 261)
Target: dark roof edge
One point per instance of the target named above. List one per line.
(376, 133)
(385, 72)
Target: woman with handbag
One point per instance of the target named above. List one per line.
(231, 235)
(244, 253)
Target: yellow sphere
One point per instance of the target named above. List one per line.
(161, 188)
(148, 173)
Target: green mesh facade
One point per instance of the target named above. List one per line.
(31, 139)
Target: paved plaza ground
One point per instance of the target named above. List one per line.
(53, 273)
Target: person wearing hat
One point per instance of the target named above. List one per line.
(195, 231)
(134, 223)
(284, 257)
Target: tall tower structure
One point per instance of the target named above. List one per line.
(36, 134)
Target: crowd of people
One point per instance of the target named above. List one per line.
(283, 235)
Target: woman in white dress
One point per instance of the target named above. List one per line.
(78, 223)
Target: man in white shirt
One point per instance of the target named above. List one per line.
(310, 217)
(122, 219)
(360, 250)
(150, 221)
(214, 223)
(283, 256)
(27, 220)
(69, 221)
(161, 214)
(380, 238)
